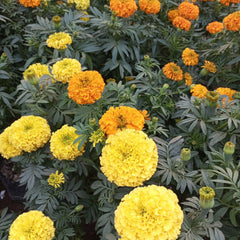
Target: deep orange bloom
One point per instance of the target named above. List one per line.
(232, 21)
(181, 23)
(172, 14)
(30, 3)
(150, 6)
(226, 91)
(190, 57)
(173, 71)
(199, 91)
(86, 87)
(120, 118)
(188, 10)
(188, 79)
(215, 27)
(210, 66)
(225, 2)
(123, 8)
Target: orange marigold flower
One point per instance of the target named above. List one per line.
(123, 8)
(199, 90)
(173, 71)
(227, 92)
(150, 6)
(190, 57)
(188, 79)
(188, 10)
(215, 27)
(232, 21)
(182, 23)
(145, 114)
(86, 87)
(120, 118)
(172, 14)
(30, 3)
(225, 2)
(210, 66)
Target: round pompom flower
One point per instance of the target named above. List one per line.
(172, 14)
(120, 118)
(7, 150)
(173, 71)
(129, 158)
(82, 4)
(65, 69)
(150, 6)
(32, 225)
(29, 133)
(188, 10)
(190, 57)
(30, 3)
(86, 87)
(181, 23)
(59, 40)
(150, 212)
(61, 144)
(232, 21)
(215, 27)
(199, 90)
(123, 8)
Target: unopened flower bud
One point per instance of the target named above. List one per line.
(146, 57)
(56, 21)
(110, 80)
(229, 148)
(185, 154)
(236, 95)
(92, 122)
(165, 86)
(129, 78)
(4, 56)
(133, 87)
(206, 197)
(212, 98)
(31, 76)
(204, 72)
(79, 208)
(154, 120)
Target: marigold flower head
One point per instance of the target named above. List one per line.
(225, 2)
(199, 91)
(29, 133)
(232, 21)
(97, 137)
(30, 3)
(120, 118)
(86, 87)
(150, 212)
(7, 150)
(210, 66)
(172, 14)
(61, 144)
(188, 10)
(150, 6)
(123, 8)
(55, 179)
(65, 69)
(129, 158)
(188, 79)
(226, 92)
(181, 23)
(173, 71)
(190, 57)
(82, 4)
(215, 27)
(32, 225)
(59, 40)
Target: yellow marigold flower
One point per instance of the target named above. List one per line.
(55, 179)
(227, 92)
(86, 19)
(181, 23)
(215, 27)
(59, 40)
(123, 8)
(199, 90)
(61, 144)
(29, 133)
(150, 212)
(190, 57)
(80, 4)
(188, 79)
(97, 137)
(232, 21)
(150, 6)
(173, 71)
(188, 10)
(120, 118)
(210, 66)
(32, 225)
(30, 3)
(172, 14)
(86, 87)
(7, 150)
(129, 158)
(65, 69)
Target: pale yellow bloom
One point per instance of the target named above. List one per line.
(59, 40)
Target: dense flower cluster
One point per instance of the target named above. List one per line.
(215, 27)
(227, 2)
(150, 212)
(80, 4)
(232, 21)
(123, 8)
(120, 118)
(188, 10)
(188, 78)
(65, 69)
(59, 40)
(129, 158)
(32, 225)
(190, 57)
(172, 14)
(181, 23)
(86, 87)
(56, 179)
(30, 3)
(150, 6)
(173, 71)
(199, 90)
(210, 66)
(61, 144)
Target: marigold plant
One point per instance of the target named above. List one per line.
(182, 23)
(123, 8)
(150, 6)
(30, 3)
(190, 57)
(188, 10)
(173, 71)
(199, 90)
(215, 27)
(59, 40)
